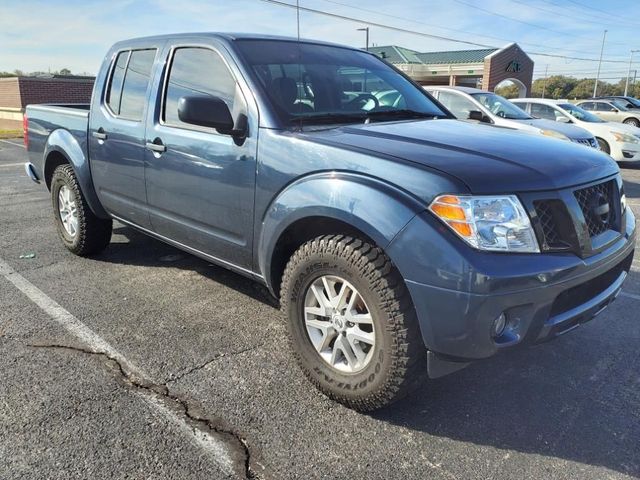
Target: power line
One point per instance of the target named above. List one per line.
(448, 28)
(602, 12)
(422, 34)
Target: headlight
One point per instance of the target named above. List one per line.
(625, 137)
(495, 223)
(623, 203)
(554, 134)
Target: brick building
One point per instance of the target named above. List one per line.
(485, 68)
(18, 92)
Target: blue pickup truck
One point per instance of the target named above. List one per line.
(401, 242)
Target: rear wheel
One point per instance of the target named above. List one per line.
(81, 231)
(604, 146)
(352, 325)
(632, 121)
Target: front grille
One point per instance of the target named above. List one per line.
(590, 199)
(589, 142)
(548, 224)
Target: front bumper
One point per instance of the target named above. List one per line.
(625, 152)
(458, 292)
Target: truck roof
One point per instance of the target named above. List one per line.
(230, 37)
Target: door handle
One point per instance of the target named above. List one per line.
(100, 134)
(156, 146)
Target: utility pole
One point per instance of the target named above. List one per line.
(595, 86)
(626, 84)
(366, 30)
(544, 85)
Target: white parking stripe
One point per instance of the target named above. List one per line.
(217, 449)
(13, 143)
(12, 164)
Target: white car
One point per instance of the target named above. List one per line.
(472, 104)
(619, 140)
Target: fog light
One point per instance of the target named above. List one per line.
(499, 325)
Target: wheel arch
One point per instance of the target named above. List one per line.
(63, 148)
(330, 204)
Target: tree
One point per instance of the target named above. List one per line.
(65, 71)
(556, 86)
(508, 91)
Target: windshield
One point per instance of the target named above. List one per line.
(633, 101)
(619, 105)
(310, 83)
(580, 114)
(500, 106)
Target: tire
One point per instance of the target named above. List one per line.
(87, 234)
(604, 146)
(632, 121)
(396, 360)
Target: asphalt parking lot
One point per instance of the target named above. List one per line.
(146, 362)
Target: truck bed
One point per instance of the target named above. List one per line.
(45, 119)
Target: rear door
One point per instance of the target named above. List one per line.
(117, 134)
(200, 188)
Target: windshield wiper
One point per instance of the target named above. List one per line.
(328, 118)
(404, 113)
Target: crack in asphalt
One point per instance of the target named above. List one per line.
(162, 391)
(179, 376)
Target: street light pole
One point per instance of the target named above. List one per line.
(595, 86)
(544, 85)
(626, 84)
(366, 30)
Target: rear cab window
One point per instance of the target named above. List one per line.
(129, 83)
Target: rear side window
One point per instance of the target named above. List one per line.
(457, 104)
(197, 71)
(117, 78)
(129, 82)
(543, 111)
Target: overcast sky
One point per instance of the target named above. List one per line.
(75, 34)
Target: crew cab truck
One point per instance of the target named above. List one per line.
(400, 241)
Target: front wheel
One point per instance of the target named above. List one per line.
(604, 146)
(352, 325)
(81, 231)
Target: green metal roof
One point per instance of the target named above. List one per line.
(395, 54)
(456, 56)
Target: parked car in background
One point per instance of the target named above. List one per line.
(629, 102)
(401, 242)
(472, 104)
(611, 111)
(620, 141)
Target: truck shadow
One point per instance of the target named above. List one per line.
(142, 250)
(574, 399)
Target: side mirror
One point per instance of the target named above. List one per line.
(563, 119)
(206, 111)
(478, 116)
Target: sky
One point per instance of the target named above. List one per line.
(48, 35)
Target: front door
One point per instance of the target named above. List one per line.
(116, 136)
(200, 183)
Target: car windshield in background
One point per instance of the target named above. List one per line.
(580, 114)
(500, 106)
(320, 84)
(619, 105)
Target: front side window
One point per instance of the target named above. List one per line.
(579, 113)
(320, 84)
(543, 111)
(197, 71)
(500, 106)
(457, 104)
(620, 105)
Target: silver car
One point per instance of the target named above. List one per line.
(472, 104)
(611, 111)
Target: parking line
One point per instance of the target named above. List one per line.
(12, 164)
(12, 143)
(210, 444)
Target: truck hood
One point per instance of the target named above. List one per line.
(487, 159)
(570, 131)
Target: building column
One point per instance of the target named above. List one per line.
(452, 80)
